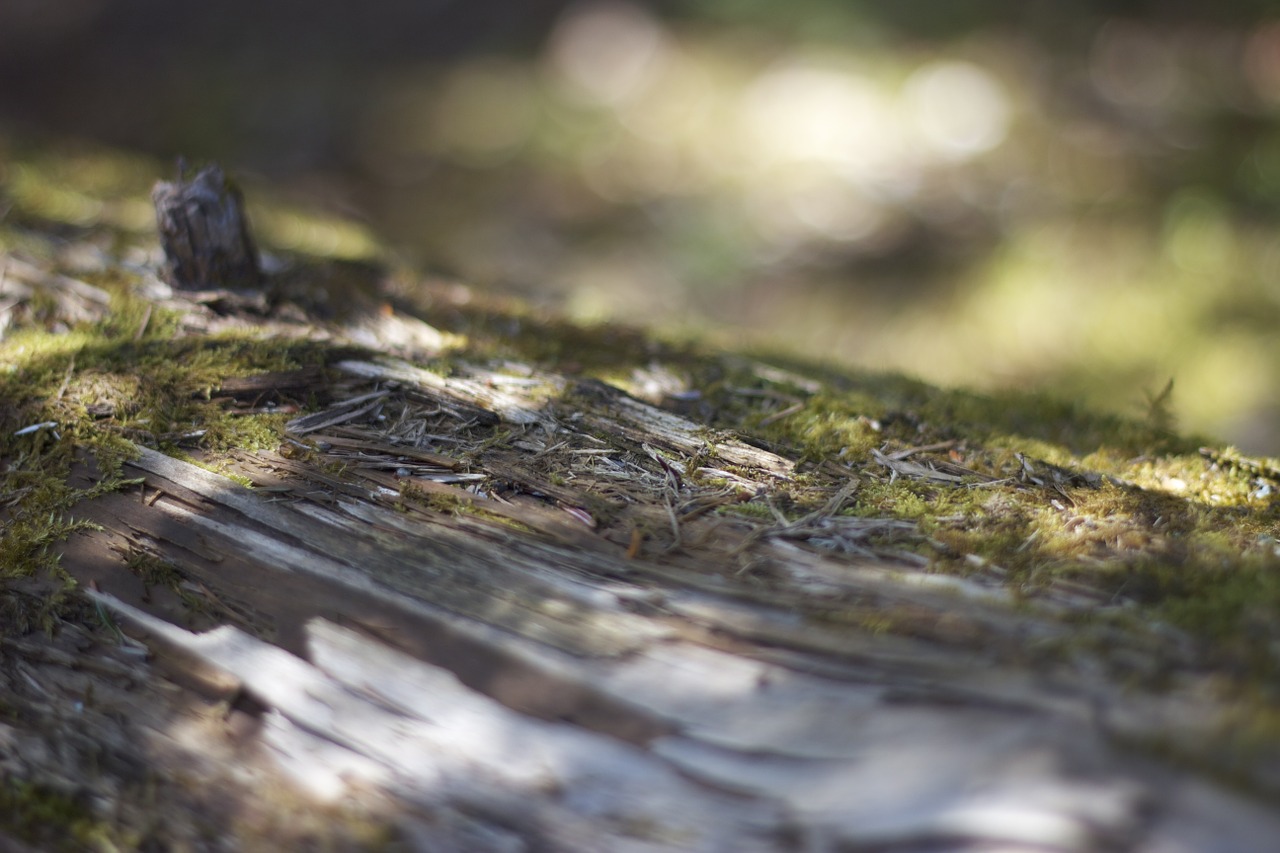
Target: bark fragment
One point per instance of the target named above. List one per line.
(204, 232)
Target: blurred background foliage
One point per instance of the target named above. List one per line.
(1082, 198)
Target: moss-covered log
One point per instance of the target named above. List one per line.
(365, 560)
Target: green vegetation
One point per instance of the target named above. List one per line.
(105, 378)
(39, 815)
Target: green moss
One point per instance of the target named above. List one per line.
(128, 377)
(841, 426)
(437, 501)
(39, 815)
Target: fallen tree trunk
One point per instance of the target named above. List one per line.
(478, 604)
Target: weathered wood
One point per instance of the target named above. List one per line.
(205, 233)
(716, 715)
(467, 606)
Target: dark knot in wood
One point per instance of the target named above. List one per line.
(204, 232)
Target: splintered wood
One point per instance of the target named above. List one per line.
(513, 611)
(204, 232)
(420, 593)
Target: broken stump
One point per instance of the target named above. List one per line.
(205, 233)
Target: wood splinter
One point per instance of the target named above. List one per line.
(205, 233)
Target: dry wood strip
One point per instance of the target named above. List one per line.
(393, 450)
(486, 397)
(433, 562)
(825, 765)
(614, 413)
(611, 413)
(438, 742)
(300, 381)
(372, 553)
(94, 723)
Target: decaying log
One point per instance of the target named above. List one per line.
(480, 607)
(539, 690)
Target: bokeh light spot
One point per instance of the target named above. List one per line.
(798, 112)
(959, 109)
(607, 52)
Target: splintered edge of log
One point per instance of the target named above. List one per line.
(417, 730)
(741, 752)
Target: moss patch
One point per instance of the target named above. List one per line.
(39, 815)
